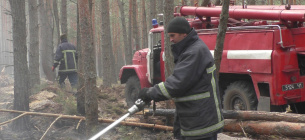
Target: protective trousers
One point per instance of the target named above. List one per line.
(72, 76)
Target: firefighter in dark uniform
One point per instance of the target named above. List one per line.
(66, 58)
(192, 86)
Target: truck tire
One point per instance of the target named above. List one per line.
(298, 108)
(240, 95)
(132, 90)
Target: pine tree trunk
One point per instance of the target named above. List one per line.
(107, 53)
(21, 79)
(56, 18)
(135, 28)
(144, 26)
(168, 15)
(160, 6)
(6, 43)
(99, 57)
(81, 81)
(88, 52)
(46, 39)
(169, 59)
(34, 43)
(130, 26)
(116, 39)
(63, 19)
(222, 28)
(127, 47)
(152, 12)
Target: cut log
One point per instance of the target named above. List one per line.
(241, 115)
(262, 115)
(157, 112)
(153, 126)
(287, 129)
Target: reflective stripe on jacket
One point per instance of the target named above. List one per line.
(193, 87)
(66, 57)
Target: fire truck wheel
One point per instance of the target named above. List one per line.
(240, 95)
(298, 108)
(132, 90)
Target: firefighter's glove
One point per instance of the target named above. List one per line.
(53, 68)
(144, 96)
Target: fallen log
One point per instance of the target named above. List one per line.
(241, 115)
(153, 126)
(287, 129)
(43, 114)
(157, 112)
(262, 115)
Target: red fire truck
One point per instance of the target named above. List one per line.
(263, 60)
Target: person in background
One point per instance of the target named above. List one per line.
(192, 86)
(66, 58)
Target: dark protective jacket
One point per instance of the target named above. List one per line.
(66, 57)
(193, 88)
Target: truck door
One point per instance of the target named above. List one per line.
(153, 56)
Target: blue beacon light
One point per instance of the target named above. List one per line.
(154, 23)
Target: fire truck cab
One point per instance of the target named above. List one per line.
(263, 61)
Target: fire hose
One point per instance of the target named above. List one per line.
(139, 105)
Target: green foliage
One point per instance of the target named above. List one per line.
(38, 88)
(68, 101)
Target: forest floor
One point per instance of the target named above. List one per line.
(51, 99)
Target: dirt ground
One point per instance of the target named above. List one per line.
(51, 99)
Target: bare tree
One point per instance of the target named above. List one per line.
(130, 26)
(46, 38)
(56, 18)
(6, 49)
(168, 15)
(144, 26)
(160, 11)
(108, 58)
(169, 59)
(21, 79)
(34, 43)
(135, 28)
(88, 52)
(99, 60)
(63, 18)
(152, 12)
(81, 81)
(222, 28)
(127, 48)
